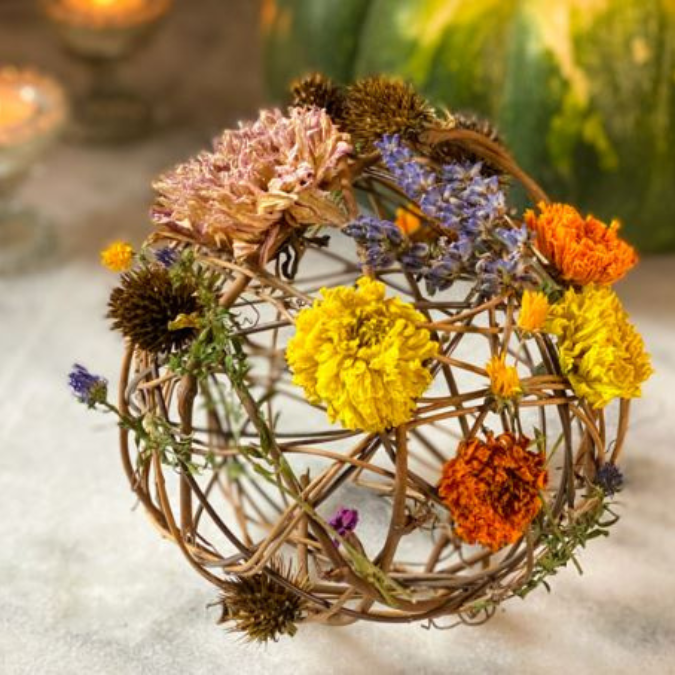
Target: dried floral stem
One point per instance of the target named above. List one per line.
(487, 149)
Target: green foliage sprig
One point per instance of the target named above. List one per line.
(561, 541)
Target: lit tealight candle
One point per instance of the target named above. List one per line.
(15, 108)
(32, 106)
(32, 111)
(106, 13)
(105, 8)
(102, 33)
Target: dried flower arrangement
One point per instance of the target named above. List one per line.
(357, 384)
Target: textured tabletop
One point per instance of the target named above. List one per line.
(88, 586)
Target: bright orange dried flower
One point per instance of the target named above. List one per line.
(407, 221)
(584, 250)
(534, 308)
(492, 489)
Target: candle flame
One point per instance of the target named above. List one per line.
(113, 7)
(14, 108)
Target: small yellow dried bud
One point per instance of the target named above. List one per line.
(533, 311)
(504, 380)
(118, 256)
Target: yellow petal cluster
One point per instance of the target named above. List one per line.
(118, 257)
(533, 311)
(600, 351)
(362, 355)
(504, 380)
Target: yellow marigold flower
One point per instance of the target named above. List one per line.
(533, 311)
(585, 250)
(407, 221)
(118, 256)
(504, 380)
(600, 351)
(362, 355)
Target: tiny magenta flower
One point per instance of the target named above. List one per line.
(87, 387)
(344, 521)
(118, 257)
(533, 311)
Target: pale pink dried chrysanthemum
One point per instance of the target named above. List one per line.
(258, 183)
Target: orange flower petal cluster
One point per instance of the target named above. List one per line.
(492, 489)
(534, 308)
(583, 250)
(408, 221)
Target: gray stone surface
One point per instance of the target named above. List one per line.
(86, 584)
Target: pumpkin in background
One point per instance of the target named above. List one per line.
(583, 91)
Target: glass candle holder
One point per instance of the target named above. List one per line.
(33, 110)
(102, 34)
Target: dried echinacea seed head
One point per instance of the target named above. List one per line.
(320, 91)
(261, 607)
(379, 105)
(147, 304)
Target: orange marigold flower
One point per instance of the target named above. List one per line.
(492, 489)
(407, 221)
(504, 380)
(118, 257)
(584, 250)
(533, 311)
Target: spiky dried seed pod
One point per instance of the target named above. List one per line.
(260, 607)
(318, 90)
(380, 105)
(478, 124)
(446, 153)
(147, 300)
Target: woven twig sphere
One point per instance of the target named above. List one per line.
(232, 521)
(357, 384)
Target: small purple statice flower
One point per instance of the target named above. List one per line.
(380, 240)
(514, 238)
(383, 244)
(415, 258)
(450, 264)
(469, 207)
(505, 262)
(166, 256)
(87, 387)
(460, 197)
(410, 172)
(465, 201)
(609, 478)
(344, 521)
